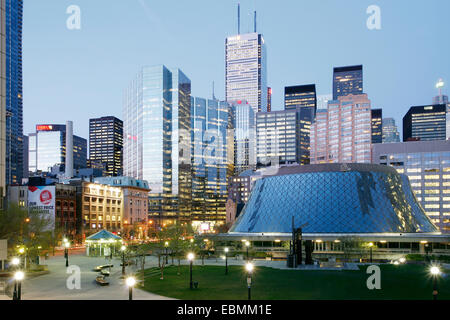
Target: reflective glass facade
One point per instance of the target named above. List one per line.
(277, 137)
(347, 80)
(377, 125)
(427, 164)
(246, 70)
(157, 139)
(425, 123)
(211, 166)
(47, 149)
(390, 131)
(244, 124)
(14, 91)
(334, 199)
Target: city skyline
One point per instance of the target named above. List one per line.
(390, 67)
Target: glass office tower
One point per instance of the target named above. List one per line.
(244, 124)
(157, 120)
(211, 165)
(390, 131)
(2, 103)
(47, 149)
(245, 70)
(304, 99)
(14, 94)
(377, 125)
(278, 137)
(106, 144)
(425, 123)
(347, 80)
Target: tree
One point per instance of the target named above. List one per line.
(352, 246)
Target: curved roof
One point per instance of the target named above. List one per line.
(334, 198)
(103, 235)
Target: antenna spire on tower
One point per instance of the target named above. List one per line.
(255, 21)
(239, 18)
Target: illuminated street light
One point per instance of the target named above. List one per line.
(402, 260)
(249, 267)
(191, 258)
(123, 248)
(166, 245)
(18, 277)
(435, 272)
(131, 282)
(226, 260)
(66, 252)
(247, 244)
(370, 247)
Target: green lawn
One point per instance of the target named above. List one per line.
(397, 282)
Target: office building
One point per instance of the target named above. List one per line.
(245, 70)
(343, 133)
(106, 144)
(212, 143)
(269, 99)
(47, 149)
(347, 80)
(277, 136)
(303, 99)
(244, 124)
(377, 125)
(157, 139)
(135, 205)
(390, 131)
(25, 173)
(427, 165)
(14, 91)
(425, 123)
(322, 101)
(2, 103)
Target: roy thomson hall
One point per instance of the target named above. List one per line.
(336, 206)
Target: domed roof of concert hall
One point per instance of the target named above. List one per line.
(334, 198)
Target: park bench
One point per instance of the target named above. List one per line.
(100, 268)
(101, 281)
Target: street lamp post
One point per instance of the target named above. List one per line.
(123, 248)
(249, 267)
(226, 260)
(18, 277)
(435, 272)
(131, 281)
(166, 245)
(15, 262)
(190, 257)
(66, 252)
(247, 244)
(370, 247)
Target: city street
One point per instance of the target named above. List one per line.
(53, 285)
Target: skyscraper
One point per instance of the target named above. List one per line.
(106, 144)
(47, 149)
(347, 80)
(377, 125)
(211, 167)
(269, 99)
(277, 135)
(2, 102)
(245, 70)
(244, 124)
(304, 99)
(157, 138)
(425, 123)
(342, 134)
(14, 95)
(390, 131)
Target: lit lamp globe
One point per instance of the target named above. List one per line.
(21, 250)
(15, 261)
(66, 245)
(190, 256)
(130, 281)
(249, 267)
(435, 271)
(19, 276)
(123, 248)
(226, 250)
(402, 260)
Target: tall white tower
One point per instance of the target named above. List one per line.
(69, 149)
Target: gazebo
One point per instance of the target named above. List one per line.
(102, 243)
